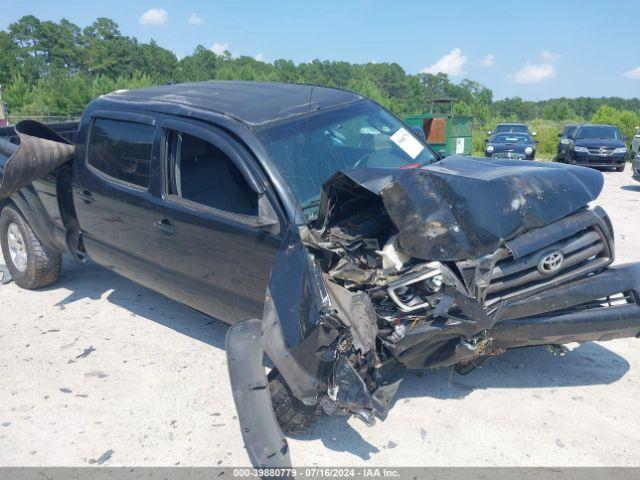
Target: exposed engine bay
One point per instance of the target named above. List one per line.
(394, 286)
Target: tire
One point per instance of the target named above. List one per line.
(620, 168)
(293, 416)
(42, 266)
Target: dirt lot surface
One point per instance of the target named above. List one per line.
(97, 370)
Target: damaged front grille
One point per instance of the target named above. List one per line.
(572, 256)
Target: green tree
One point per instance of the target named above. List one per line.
(625, 120)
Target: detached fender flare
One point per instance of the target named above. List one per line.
(266, 445)
(28, 203)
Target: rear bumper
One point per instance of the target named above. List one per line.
(560, 315)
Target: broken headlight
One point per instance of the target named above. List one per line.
(416, 289)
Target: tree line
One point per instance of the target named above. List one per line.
(56, 68)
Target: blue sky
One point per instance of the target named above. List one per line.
(536, 49)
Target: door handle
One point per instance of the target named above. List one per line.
(166, 226)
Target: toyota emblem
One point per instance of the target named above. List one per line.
(551, 263)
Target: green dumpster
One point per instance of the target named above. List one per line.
(444, 131)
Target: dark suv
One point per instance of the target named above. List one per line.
(565, 139)
(597, 146)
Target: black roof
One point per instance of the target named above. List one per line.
(253, 103)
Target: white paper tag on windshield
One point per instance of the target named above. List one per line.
(408, 143)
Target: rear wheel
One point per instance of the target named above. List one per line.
(31, 264)
(293, 416)
(620, 168)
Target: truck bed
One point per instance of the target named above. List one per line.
(46, 203)
(66, 129)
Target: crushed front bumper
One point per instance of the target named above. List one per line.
(575, 312)
(601, 306)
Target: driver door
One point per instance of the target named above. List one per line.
(217, 227)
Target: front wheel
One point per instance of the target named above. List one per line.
(293, 416)
(620, 168)
(31, 264)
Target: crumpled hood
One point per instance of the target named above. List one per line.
(464, 208)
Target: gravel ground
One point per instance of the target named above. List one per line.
(97, 370)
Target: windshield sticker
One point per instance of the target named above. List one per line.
(408, 143)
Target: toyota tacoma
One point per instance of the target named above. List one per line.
(331, 237)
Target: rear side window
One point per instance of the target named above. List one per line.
(202, 173)
(122, 150)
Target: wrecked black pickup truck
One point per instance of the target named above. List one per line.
(373, 251)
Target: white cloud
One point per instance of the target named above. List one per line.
(219, 48)
(194, 19)
(550, 57)
(534, 73)
(451, 64)
(155, 17)
(633, 74)
(489, 61)
(261, 57)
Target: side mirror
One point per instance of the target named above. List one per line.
(443, 153)
(559, 135)
(534, 134)
(536, 142)
(486, 140)
(267, 218)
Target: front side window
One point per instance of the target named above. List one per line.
(308, 151)
(121, 150)
(202, 173)
(569, 131)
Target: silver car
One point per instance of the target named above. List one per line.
(635, 145)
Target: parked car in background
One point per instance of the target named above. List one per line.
(635, 144)
(512, 128)
(597, 146)
(518, 146)
(566, 137)
(635, 167)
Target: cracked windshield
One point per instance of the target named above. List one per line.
(308, 151)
